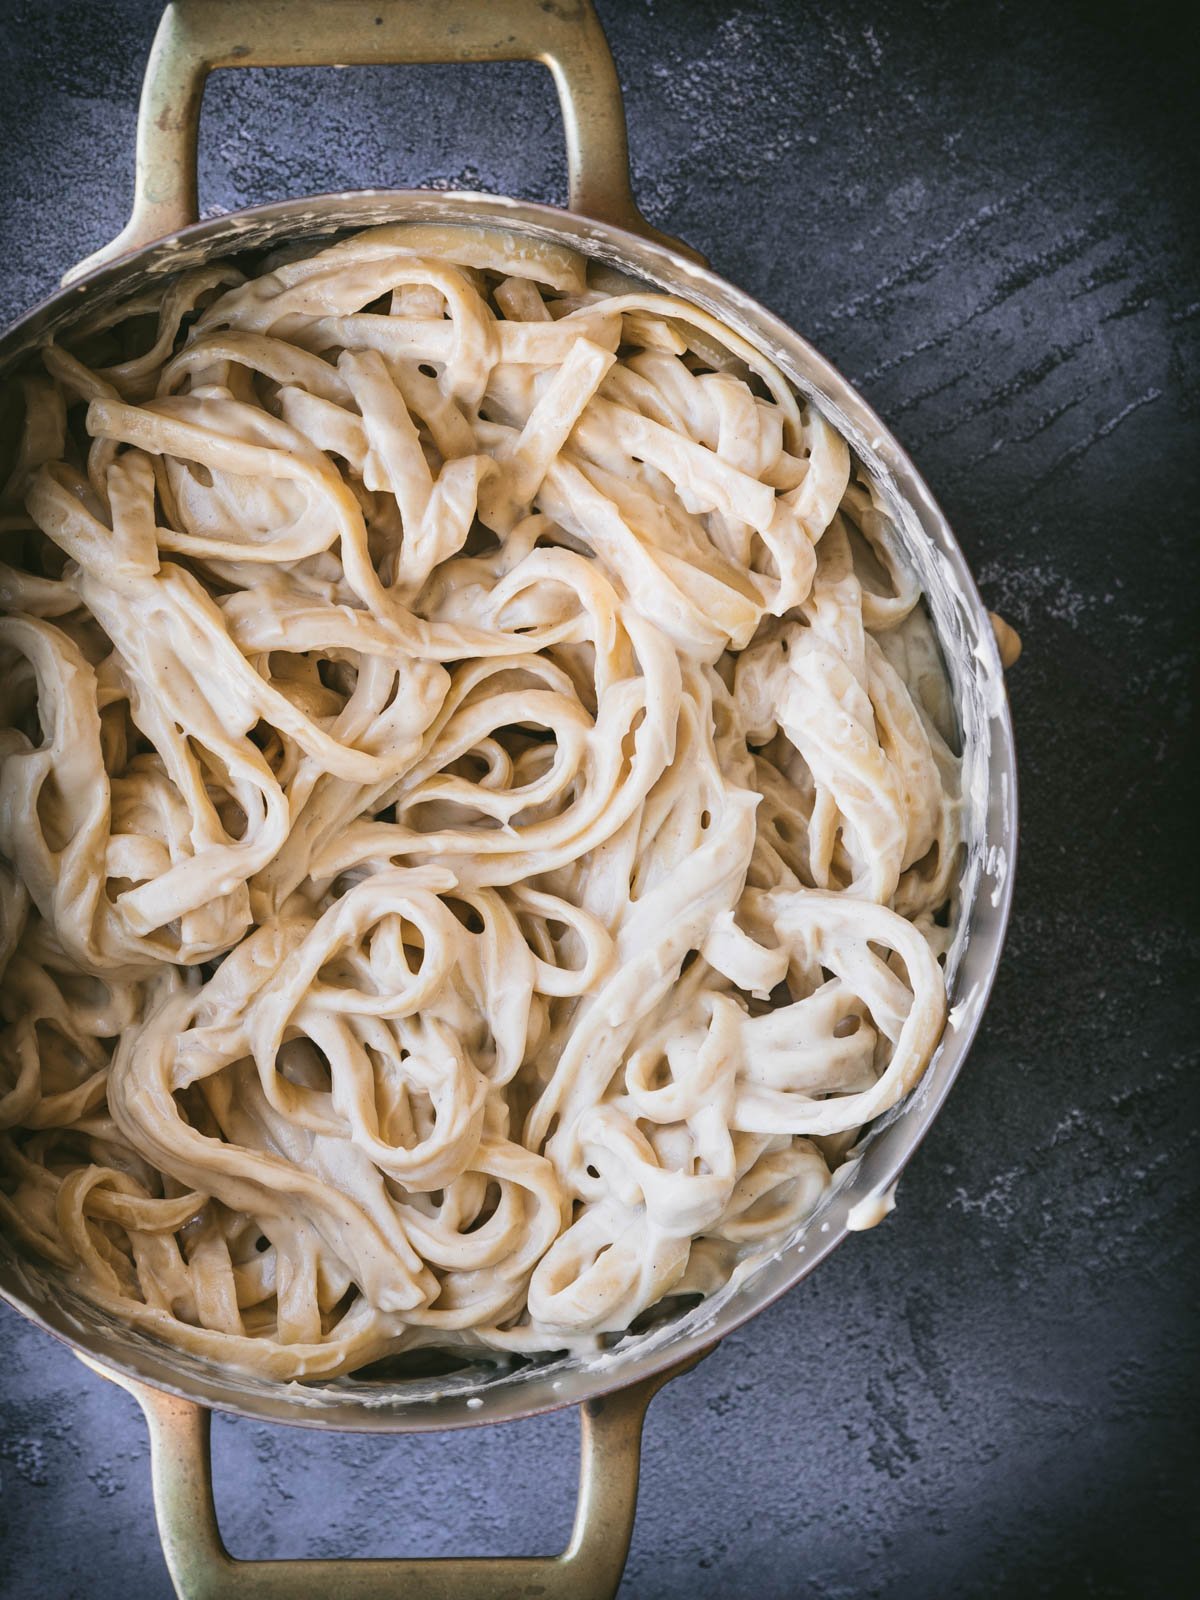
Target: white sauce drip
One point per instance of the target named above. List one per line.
(870, 1211)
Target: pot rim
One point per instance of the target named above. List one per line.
(419, 1405)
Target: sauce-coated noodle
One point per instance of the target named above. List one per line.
(477, 810)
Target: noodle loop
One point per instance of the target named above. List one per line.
(479, 815)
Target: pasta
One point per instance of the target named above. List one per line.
(479, 807)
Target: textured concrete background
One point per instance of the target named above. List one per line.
(981, 213)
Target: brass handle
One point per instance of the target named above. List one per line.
(195, 37)
(588, 1569)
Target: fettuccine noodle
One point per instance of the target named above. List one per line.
(479, 811)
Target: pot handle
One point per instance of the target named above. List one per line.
(588, 1569)
(1008, 640)
(197, 36)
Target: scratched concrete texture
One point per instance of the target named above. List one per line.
(982, 212)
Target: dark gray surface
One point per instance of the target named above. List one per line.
(981, 213)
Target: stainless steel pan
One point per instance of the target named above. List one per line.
(177, 1391)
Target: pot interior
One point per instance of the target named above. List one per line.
(428, 1389)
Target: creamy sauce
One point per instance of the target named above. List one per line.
(480, 804)
(870, 1211)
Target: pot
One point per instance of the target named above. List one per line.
(177, 1391)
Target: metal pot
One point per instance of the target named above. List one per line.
(175, 1390)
